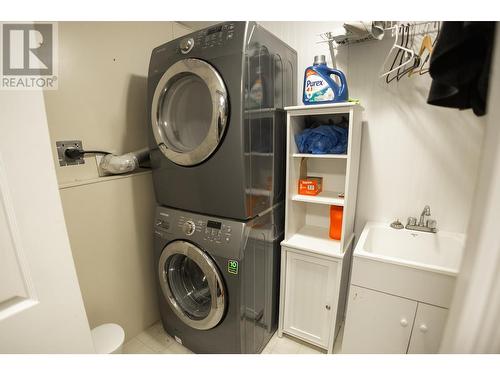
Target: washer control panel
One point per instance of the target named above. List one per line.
(175, 224)
(210, 230)
(189, 227)
(162, 223)
(216, 231)
(215, 36)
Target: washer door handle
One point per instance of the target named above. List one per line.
(214, 287)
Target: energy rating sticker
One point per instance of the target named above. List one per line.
(232, 266)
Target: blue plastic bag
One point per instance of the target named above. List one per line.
(324, 139)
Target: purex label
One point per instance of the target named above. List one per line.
(316, 88)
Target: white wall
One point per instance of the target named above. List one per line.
(412, 153)
(472, 325)
(101, 100)
(109, 226)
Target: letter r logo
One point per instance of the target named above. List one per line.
(27, 49)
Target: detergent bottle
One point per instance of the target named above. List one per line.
(319, 87)
(256, 94)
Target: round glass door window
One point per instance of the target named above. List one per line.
(189, 286)
(189, 112)
(192, 285)
(185, 113)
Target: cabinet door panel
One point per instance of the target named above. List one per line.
(377, 322)
(310, 297)
(428, 329)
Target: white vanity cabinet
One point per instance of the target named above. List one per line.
(378, 322)
(428, 329)
(310, 296)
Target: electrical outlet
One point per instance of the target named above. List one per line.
(62, 146)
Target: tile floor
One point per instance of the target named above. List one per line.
(154, 340)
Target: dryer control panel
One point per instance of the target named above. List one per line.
(215, 36)
(223, 39)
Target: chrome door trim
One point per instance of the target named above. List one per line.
(220, 110)
(215, 284)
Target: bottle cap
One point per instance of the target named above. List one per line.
(319, 60)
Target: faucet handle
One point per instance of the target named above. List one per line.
(396, 224)
(431, 224)
(412, 221)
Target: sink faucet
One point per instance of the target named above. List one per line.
(423, 225)
(425, 212)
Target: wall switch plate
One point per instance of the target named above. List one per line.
(62, 146)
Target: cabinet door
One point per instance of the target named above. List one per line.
(377, 322)
(428, 329)
(310, 297)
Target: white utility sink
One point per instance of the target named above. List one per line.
(417, 265)
(441, 251)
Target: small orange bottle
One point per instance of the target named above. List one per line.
(336, 214)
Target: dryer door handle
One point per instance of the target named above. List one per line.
(222, 111)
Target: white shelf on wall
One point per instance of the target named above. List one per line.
(325, 197)
(321, 156)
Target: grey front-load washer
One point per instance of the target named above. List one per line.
(218, 279)
(216, 119)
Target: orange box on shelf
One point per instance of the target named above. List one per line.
(310, 185)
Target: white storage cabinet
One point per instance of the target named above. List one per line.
(314, 267)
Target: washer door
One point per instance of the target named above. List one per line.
(189, 112)
(192, 285)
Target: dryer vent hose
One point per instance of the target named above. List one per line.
(118, 164)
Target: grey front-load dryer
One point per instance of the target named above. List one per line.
(217, 139)
(218, 279)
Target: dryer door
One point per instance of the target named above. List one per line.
(192, 285)
(189, 112)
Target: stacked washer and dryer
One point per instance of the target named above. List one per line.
(216, 100)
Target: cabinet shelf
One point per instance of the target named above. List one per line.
(328, 108)
(321, 156)
(259, 192)
(267, 154)
(315, 239)
(325, 197)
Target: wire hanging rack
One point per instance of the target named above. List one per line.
(335, 40)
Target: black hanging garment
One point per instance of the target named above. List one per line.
(460, 65)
